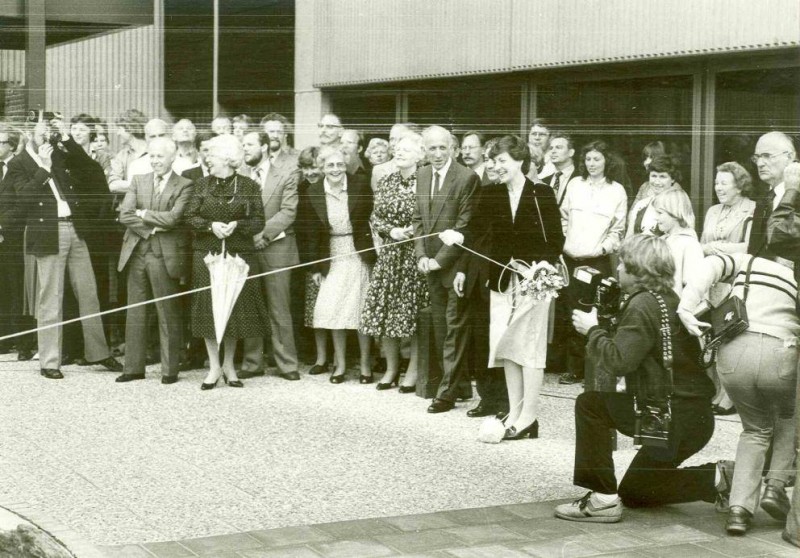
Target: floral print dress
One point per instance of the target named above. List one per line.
(398, 290)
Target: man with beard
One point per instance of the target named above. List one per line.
(280, 153)
(277, 250)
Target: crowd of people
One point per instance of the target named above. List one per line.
(423, 227)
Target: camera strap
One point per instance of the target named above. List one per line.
(666, 338)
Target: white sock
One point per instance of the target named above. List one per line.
(604, 499)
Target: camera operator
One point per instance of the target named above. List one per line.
(634, 350)
(60, 187)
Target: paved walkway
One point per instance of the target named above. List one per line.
(307, 468)
(521, 530)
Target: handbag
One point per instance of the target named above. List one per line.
(728, 319)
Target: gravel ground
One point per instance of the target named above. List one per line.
(143, 462)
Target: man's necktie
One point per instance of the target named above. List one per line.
(557, 183)
(259, 177)
(436, 184)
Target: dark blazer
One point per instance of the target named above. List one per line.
(82, 182)
(450, 209)
(532, 236)
(758, 230)
(317, 227)
(11, 216)
(173, 243)
(562, 192)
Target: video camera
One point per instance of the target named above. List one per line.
(596, 291)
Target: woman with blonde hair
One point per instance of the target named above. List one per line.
(675, 219)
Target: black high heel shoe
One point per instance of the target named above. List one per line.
(408, 389)
(318, 369)
(338, 378)
(232, 383)
(389, 385)
(204, 386)
(530, 431)
(365, 379)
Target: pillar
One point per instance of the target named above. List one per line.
(310, 103)
(35, 55)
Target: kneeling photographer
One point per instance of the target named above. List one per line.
(667, 409)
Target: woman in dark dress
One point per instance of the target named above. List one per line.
(519, 225)
(225, 206)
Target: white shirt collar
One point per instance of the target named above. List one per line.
(479, 169)
(779, 190)
(442, 171)
(165, 178)
(329, 190)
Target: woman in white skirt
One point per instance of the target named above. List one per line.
(337, 227)
(523, 225)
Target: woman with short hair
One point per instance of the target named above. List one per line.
(337, 228)
(224, 213)
(664, 177)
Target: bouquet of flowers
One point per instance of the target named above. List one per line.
(540, 281)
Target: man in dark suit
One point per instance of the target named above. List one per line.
(352, 141)
(62, 188)
(561, 152)
(12, 272)
(774, 151)
(471, 283)
(155, 250)
(200, 170)
(444, 201)
(277, 250)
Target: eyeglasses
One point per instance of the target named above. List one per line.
(5, 142)
(766, 156)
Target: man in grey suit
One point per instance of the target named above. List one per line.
(277, 250)
(444, 201)
(281, 155)
(155, 250)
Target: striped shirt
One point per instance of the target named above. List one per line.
(771, 301)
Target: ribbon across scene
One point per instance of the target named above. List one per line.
(207, 287)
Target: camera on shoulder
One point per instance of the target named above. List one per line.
(597, 291)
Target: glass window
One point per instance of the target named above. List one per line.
(628, 114)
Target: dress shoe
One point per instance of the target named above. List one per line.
(382, 386)
(245, 374)
(738, 521)
(24, 355)
(365, 379)
(205, 387)
(51, 373)
(110, 363)
(440, 406)
(291, 376)
(722, 411)
(337, 378)
(407, 389)
(237, 383)
(481, 410)
(166, 380)
(775, 502)
(318, 369)
(568, 378)
(129, 378)
(530, 431)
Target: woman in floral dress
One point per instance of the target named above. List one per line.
(398, 290)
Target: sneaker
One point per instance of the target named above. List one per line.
(584, 510)
(723, 487)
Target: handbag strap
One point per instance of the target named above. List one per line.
(746, 286)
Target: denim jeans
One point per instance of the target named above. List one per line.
(759, 373)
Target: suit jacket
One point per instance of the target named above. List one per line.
(317, 227)
(450, 209)
(82, 182)
(280, 199)
(563, 190)
(287, 160)
(10, 208)
(165, 212)
(532, 235)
